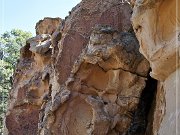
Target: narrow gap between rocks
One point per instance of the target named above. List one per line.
(140, 119)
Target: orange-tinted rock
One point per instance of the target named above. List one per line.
(31, 83)
(103, 90)
(82, 76)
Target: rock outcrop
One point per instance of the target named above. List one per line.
(47, 25)
(157, 27)
(84, 75)
(103, 89)
(31, 83)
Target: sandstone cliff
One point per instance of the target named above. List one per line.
(157, 27)
(85, 75)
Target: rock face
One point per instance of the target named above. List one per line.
(47, 25)
(157, 27)
(78, 26)
(82, 76)
(157, 32)
(31, 83)
(103, 89)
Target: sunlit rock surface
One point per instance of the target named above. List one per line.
(157, 27)
(84, 75)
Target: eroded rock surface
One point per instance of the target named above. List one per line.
(48, 25)
(31, 83)
(157, 27)
(103, 89)
(157, 31)
(78, 26)
(83, 76)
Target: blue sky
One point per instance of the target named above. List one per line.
(23, 14)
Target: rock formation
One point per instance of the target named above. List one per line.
(156, 24)
(47, 25)
(85, 75)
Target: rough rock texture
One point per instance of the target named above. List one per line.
(103, 89)
(31, 83)
(78, 26)
(82, 76)
(47, 25)
(157, 32)
(157, 27)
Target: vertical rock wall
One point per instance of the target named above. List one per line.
(83, 76)
(31, 81)
(157, 27)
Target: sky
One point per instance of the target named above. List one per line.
(24, 14)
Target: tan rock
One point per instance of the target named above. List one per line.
(40, 44)
(106, 95)
(157, 32)
(156, 24)
(31, 83)
(48, 25)
(89, 81)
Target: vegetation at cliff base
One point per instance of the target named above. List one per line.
(10, 44)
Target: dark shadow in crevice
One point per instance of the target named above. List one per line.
(140, 118)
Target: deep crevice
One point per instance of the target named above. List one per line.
(140, 118)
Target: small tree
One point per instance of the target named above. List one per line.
(10, 44)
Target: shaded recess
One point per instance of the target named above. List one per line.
(143, 112)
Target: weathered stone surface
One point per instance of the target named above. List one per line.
(31, 82)
(157, 111)
(171, 118)
(78, 26)
(40, 44)
(106, 84)
(48, 25)
(23, 120)
(157, 27)
(157, 32)
(26, 96)
(83, 76)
